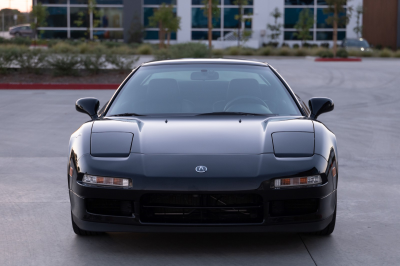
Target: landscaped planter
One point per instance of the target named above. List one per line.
(353, 59)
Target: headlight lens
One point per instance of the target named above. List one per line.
(105, 181)
(296, 181)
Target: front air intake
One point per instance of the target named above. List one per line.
(201, 208)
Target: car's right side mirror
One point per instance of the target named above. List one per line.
(320, 105)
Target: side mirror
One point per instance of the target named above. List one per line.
(88, 106)
(319, 106)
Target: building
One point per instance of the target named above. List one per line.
(117, 19)
(381, 25)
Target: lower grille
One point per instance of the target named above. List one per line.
(201, 208)
(293, 207)
(109, 207)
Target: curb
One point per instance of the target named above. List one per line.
(338, 60)
(56, 86)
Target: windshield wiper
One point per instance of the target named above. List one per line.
(235, 113)
(128, 114)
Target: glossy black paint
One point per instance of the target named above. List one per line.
(319, 106)
(88, 106)
(241, 158)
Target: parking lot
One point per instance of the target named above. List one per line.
(35, 224)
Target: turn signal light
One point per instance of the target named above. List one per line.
(296, 181)
(105, 181)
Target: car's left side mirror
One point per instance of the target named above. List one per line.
(319, 106)
(88, 106)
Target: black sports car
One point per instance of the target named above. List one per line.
(203, 146)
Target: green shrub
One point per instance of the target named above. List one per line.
(265, 51)
(64, 65)
(94, 62)
(324, 45)
(325, 53)
(247, 51)
(218, 52)
(284, 51)
(342, 53)
(122, 50)
(110, 44)
(144, 49)
(31, 61)
(189, 50)
(385, 53)
(21, 41)
(300, 52)
(296, 46)
(121, 62)
(234, 50)
(63, 48)
(366, 54)
(397, 54)
(162, 54)
(7, 58)
(354, 53)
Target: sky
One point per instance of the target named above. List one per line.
(21, 5)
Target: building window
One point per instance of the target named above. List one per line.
(229, 10)
(321, 19)
(153, 35)
(328, 35)
(52, 1)
(108, 17)
(53, 34)
(57, 17)
(149, 7)
(321, 31)
(299, 2)
(79, 17)
(159, 2)
(203, 35)
(292, 16)
(201, 21)
(108, 35)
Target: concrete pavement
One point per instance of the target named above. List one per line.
(34, 207)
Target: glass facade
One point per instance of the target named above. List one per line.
(57, 17)
(72, 19)
(224, 24)
(149, 7)
(321, 30)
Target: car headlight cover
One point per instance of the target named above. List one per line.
(296, 181)
(105, 181)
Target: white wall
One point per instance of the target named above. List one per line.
(353, 21)
(262, 16)
(184, 10)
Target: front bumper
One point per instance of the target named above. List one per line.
(258, 184)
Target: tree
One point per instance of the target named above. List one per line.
(239, 16)
(336, 7)
(275, 28)
(173, 25)
(358, 29)
(211, 11)
(40, 14)
(303, 25)
(165, 19)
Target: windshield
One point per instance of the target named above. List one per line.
(357, 43)
(202, 89)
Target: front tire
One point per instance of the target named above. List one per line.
(81, 232)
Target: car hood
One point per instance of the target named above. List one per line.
(196, 135)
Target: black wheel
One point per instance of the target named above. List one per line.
(329, 229)
(81, 232)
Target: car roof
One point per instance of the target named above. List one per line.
(205, 61)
